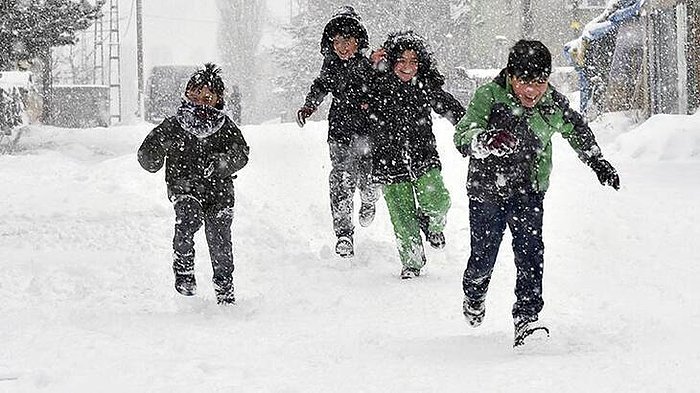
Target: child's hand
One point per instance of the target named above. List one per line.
(210, 170)
(493, 142)
(377, 56)
(303, 113)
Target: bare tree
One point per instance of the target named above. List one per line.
(240, 32)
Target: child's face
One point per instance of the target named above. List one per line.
(406, 66)
(529, 93)
(202, 96)
(345, 47)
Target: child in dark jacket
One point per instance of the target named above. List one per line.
(202, 149)
(507, 135)
(344, 73)
(405, 157)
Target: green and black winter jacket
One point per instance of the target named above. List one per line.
(187, 158)
(527, 169)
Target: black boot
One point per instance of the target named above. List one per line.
(528, 329)
(225, 296)
(436, 239)
(185, 284)
(474, 312)
(223, 287)
(344, 247)
(408, 273)
(366, 214)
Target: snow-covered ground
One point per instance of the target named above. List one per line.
(87, 303)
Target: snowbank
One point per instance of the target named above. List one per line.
(663, 137)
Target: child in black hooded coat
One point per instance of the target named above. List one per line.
(202, 149)
(344, 74)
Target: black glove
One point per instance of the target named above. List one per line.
(497, 142)
(209, 170)
(214, 165)
(303, 113)
(607, 175)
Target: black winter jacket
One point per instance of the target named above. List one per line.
(404, 145)
(348, 81)
(188, 157)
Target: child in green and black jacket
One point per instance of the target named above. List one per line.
(405, 157)
(506, 133)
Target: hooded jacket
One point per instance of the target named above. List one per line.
(188, 157)
(346, 80)
(527, 169)
(345, 22)
(404, 146)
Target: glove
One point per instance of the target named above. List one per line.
(215, 165)
(494, 142)
(210, 170)
(607, 175)
(303, 114)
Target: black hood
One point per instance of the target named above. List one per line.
(401, 41)
(345, 22)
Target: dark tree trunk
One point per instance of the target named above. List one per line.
(46, 86)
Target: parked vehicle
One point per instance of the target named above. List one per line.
(165, 87)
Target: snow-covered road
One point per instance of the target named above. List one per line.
(86, 286)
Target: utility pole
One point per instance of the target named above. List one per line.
(693, 54)
(98, 59)
(115, 95)
(527, 20)
(139, 57)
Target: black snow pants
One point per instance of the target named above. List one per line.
(523, 215)
(189, 217)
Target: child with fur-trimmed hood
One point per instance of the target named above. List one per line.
(344, 74)
(202, 149)
(405, 158)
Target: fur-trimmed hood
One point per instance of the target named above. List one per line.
(346, 22)
(399, 42)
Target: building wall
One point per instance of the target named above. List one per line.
(498, 24)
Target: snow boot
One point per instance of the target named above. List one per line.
(366, 214)
(408, 273)
(436, 239)
(225, 296)
(344, 247)
(474, 312)
(223, 288)
(185, 284)
(528, 329)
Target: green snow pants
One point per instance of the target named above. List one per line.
(433, 201)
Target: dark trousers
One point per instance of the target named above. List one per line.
(351, 169)
(189, 217)
(488, 220)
